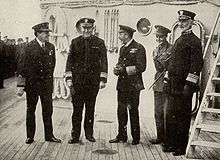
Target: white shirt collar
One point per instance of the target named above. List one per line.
(40, 43)
(187, 31)
(127, 44)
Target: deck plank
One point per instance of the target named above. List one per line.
(213, 152)
(65, 136)
(113, 133)
(95, 146)
(7, 126)
(107, 138)
(153, 148)
(46, 150)
(75, 147)
(101, 140)
(152, 132)
(146, 146)
(13, 135)
(82, 149)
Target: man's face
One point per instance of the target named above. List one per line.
(43, 36)
(5, 39)
(122, 36)
(20, 42)
(185, 24)
(87, 30)
(160, 39)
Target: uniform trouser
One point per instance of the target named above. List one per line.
(160, 99)
(131, 99)
(47, 110)
(178, 117)
(83, 95)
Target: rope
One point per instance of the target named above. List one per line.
(115, 4)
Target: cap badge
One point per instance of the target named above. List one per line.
(86, 20)
(181, 12)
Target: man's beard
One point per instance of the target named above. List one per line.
(86, 35)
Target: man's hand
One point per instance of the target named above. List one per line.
(101, 85)
(69, 83)
(20, 91)
(117, 70)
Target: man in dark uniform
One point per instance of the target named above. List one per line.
(131, 64)
(161, 57)
(2, 63)
(35, 76)
(184, 68)
(19, 48)
(86, 73)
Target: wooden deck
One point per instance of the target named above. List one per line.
(13, 134)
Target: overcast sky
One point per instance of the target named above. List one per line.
(18, 16)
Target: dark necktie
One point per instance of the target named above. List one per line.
(43, 46)
(122, 48)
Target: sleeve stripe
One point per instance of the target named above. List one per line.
(192, 78)
(104, 74)
(68, 74)
(131, 70)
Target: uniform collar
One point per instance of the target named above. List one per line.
(127, 44)
(187, 31)
(87, 37)
(163, 44)
(39, 42)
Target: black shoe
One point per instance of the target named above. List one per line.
(135, 142)
(155, 141)
(179, 152)
(117, 140)
(53, 139)
(90, 138)
(29, 140)
(73, 140)
(168, 149)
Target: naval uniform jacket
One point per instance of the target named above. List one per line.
(36, 66)
(186, 62)
(133, 61)
(87, 61)
(161, 57)
(184, 67)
